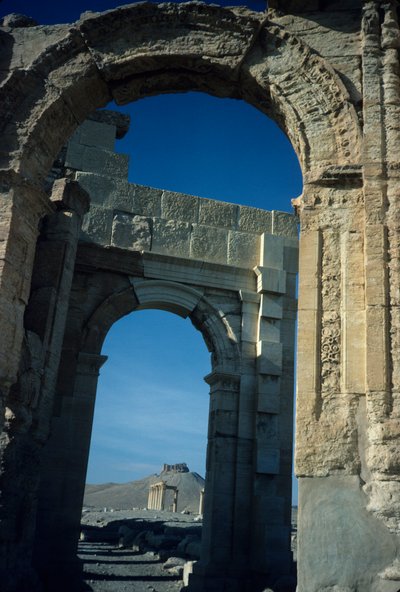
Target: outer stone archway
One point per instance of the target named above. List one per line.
(330, 77)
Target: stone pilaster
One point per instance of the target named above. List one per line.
(30, 399)
(64, 469)
(274, 406)
(22, 204)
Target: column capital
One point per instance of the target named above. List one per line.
(223, 380)
(89, 363)
(251, 297)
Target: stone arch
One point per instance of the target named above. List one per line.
(172, 297)
(176, 48)
(78, 398)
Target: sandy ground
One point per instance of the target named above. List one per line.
(109, 569)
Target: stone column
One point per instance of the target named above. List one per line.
(201, 503)
(64, 469)
(30, 399)
(156, 497)
(162, 496)
(175, 502)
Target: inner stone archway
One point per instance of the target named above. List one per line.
(151, 404)
(330, 78)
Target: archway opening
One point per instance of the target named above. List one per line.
(222, 149)
(152, 404)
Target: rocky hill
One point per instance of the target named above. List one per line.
(124, 496)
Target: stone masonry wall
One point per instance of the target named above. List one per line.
(140, 218)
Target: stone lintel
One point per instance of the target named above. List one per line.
(197, 272)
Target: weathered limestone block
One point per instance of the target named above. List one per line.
(254, 220)
(348, 68)
(97, 225)
(116, 193)
(172, 237)
(95, 134)
(243, 249)
(147, 200)
(361, 535)
(216, 213)
(330, 29)
(284, 224)
(323, 446)
(166, 30)
(209, 243)
(73, 76)
(105, 191)
(93, 160)
(177, 206)
(131, 232)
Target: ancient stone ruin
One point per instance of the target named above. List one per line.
(80, 252)
(157, 495)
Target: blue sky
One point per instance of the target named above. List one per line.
(47, 12)
(152, 402)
